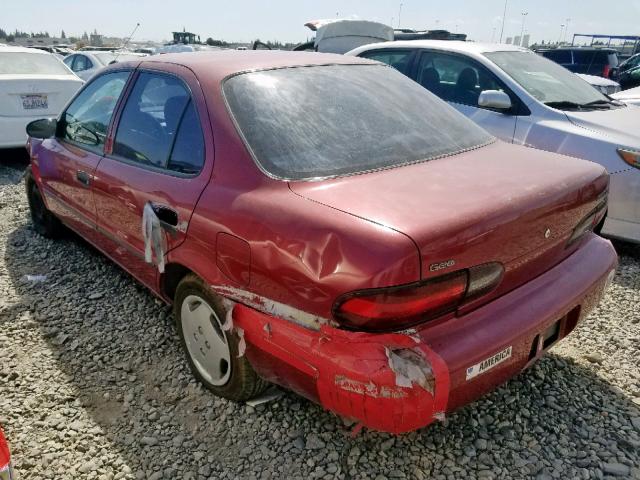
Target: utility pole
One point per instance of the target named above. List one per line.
(524, 17)
(399, 14)
(504, 15)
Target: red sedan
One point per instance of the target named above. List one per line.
(324, 223)
(6, 472)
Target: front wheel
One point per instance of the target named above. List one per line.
(44, 222)
(212, 352)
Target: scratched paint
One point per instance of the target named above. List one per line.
(410, 368)
(370, 389)
(272, 307)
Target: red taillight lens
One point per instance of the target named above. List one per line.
(397, 308)
(589, 223)
(606, 71)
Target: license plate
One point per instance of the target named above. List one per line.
(489, 363)
(34, 102)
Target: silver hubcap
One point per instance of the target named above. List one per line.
(206, 341)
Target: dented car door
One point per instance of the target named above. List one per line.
(156, 158)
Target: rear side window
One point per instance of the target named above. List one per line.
(187, 155)
(398, 59)
(81, 63)
(321, 121)
(590, 57)
(559, 56)
(88, 117)
(159, 126)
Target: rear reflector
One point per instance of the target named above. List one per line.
(402, 307)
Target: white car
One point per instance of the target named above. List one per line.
(522, 97)
(606, 86)
(630, 97)
(33, 84)
(86, 64)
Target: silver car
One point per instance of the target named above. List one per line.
(521, 97)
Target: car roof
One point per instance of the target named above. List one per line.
(449, 45)
(223, 63)
(583, 49)
(12, 49)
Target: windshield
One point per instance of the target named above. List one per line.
(545, 80)
(323, 121)
(25, 63)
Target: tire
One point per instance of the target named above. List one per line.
(44, 222)
(211, 352)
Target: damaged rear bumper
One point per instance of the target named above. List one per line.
(400, 382)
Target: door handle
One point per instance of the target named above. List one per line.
(83, 178)
(168, 218)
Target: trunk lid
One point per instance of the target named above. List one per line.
(36, 95)
(500, 203)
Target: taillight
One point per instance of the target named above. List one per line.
(631, 157)
(606, 71)
(589, 223)
(404, 306)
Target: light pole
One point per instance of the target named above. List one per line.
(524, 17)
(560, 37)
(566, 30)
(493, 35)
(504, 15)
(399, 14)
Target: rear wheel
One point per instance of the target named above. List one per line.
(212, 353)
(44, 222)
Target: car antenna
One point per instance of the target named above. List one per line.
(125, 43)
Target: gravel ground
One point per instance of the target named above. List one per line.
(93, 385)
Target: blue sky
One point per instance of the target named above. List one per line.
(245, 20)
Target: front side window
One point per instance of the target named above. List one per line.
(547, 81)
(87, 119)
(27, 63)
(149, 131)
(324, 121)
(454, 78)
(398, 59)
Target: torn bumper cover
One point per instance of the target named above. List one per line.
(390, 382)
(400, 382)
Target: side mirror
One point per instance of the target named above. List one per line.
(494, 99)
(43, 128)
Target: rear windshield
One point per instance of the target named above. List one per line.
(24, 63)
(323, 121)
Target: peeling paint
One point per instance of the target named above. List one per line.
(370, 389)
(242, 344)
(410, 368)
(272, 307)
(155, 242)
(228, 319)
(439, 416)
